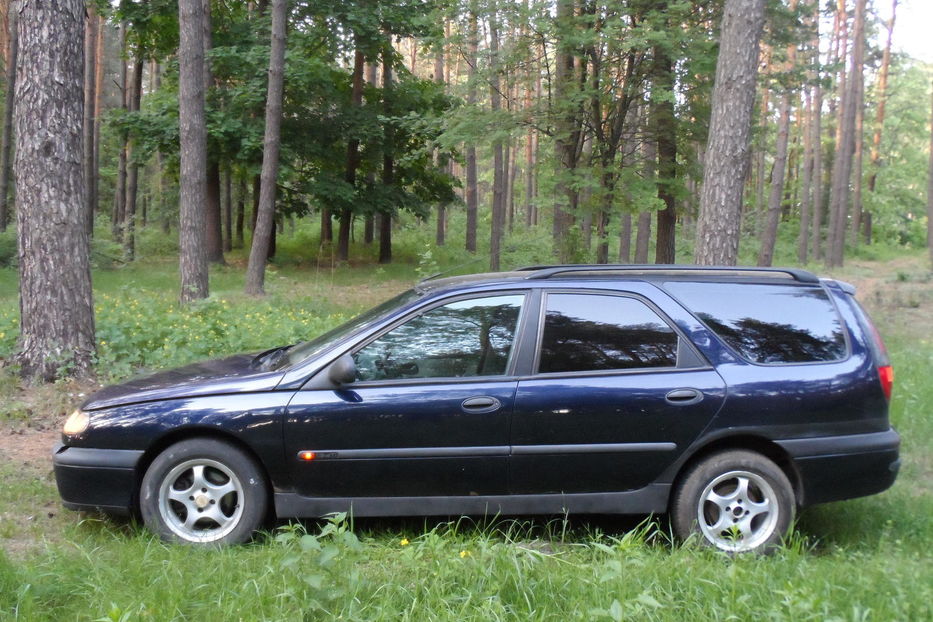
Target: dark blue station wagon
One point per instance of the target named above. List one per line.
(727, 397)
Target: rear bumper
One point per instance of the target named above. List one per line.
(96, 479)
(834, 468)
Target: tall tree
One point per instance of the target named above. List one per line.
(256, 270)
(388, 154)
(881, 94)
(92, 30)
(769, 234)
(57, 312)
(930, 189)
(845, 147)
(192, 257)
(214, 232)
(472, 205)
(7, 142)
(132, 165)
(498, 163)
(664, 128)
(727, 151)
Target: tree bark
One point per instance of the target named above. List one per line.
(930, 191)
(119, 197)
(227, 201)
(874, 159)
(727, 151)
(92, 26)
(388, 157)
(769, 234)
(192, 257)
(94, 180)
(845, 148)
(56, 306)
(132, 177)
(816, 235)
(256, 270)
(440, 231)
(857, 209)
(6, 145)
(566, 130)
(353, 158)
(498, 163)
(240, 210)
(803, 237)
(664, 125)
(471, 179)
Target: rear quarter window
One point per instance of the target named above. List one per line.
(768, 324)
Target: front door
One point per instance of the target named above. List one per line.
(429, 413)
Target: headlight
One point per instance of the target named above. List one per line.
(76, 423)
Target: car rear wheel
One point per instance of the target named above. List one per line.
(737, 501)
(203, 491)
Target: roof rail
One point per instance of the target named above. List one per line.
(546, 272)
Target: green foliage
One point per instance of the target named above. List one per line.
(8, 253)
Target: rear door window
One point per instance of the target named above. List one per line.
(768, 324)
(593, 332)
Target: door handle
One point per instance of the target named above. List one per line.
(480, 404)
(683, 397)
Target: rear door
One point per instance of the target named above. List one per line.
(616, 394)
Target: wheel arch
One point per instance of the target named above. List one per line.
(749, 442)
(191, 432)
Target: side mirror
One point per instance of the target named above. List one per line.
(342, 371)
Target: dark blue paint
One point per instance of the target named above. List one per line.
(409, 439)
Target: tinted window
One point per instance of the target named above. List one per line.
(465, 338)
(591, 332)
(768, 323)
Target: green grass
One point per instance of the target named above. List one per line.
(866, 559)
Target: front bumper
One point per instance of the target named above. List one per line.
(96, 479)
(833, 468)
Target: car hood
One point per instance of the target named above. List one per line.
(234, 374)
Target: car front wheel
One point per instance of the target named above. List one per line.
(738, 501)
(203, 491)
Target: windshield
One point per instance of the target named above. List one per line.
(306, 349)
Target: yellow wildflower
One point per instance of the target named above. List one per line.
(404, 542)
(465, 554)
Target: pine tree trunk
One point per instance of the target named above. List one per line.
(874, 161)
(727, 151)
(6, 145)
(192, 257)
(94, 180)
(845, 148)
(240, 211)
(930, 191)
(440, 232)
(472, 203)
(259, 251)
(498, 163)
(369, 223)
(803, 236)
(388, 156)
(664, 125)
(353, 158)
(566, 132)
(119, 197)
(817, 138)
(857, 209)
(92, 26)
(132, 177)
(227, 201)
(56, 307)
(769, 235)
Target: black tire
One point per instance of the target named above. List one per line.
(204, 491)
(737, 501)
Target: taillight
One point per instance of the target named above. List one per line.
(886, 375)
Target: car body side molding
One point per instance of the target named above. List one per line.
(650, 499)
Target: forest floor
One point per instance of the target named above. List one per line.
(864, 559)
